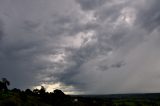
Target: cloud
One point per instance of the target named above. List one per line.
(90, 4)
(25, 41)
(98, 46)
(148, 15)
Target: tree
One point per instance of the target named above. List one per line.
(28, 92)
(58, 92)
(4, 84)
(36, 91)
(16, 90)
(42, 91)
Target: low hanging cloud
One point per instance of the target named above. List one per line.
(98, 46)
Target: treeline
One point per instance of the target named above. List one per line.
(36, 97)
(39, 97)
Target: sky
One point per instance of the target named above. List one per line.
(81, 46)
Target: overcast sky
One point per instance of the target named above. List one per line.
(81, 46)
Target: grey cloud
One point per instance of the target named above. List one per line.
(122, 39)
(107, 66)
(90, 4)
(115, 43)
(149, 16)
(103, 67)
(1, 30)
(118, 64)
(32, 36)
(20, 48)
(109, 12)
(78, 59)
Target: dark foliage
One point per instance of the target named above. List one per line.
(3, 84)
(39, 97)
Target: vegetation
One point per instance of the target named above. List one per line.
(3, 84)
(39, 97)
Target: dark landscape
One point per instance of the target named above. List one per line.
(39, 97)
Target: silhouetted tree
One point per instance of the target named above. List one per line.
(42, 90)
(16, 90)
(28, 91)
(58, 92)
(36, 91)
(4, 83)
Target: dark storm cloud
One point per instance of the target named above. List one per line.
(1, 29)
(116, 41)
(121, 38)
(90, 4)
(17, 62)
(149, 15)
(118, 64)
(48, 42)
(78, 58)
(31, 36)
